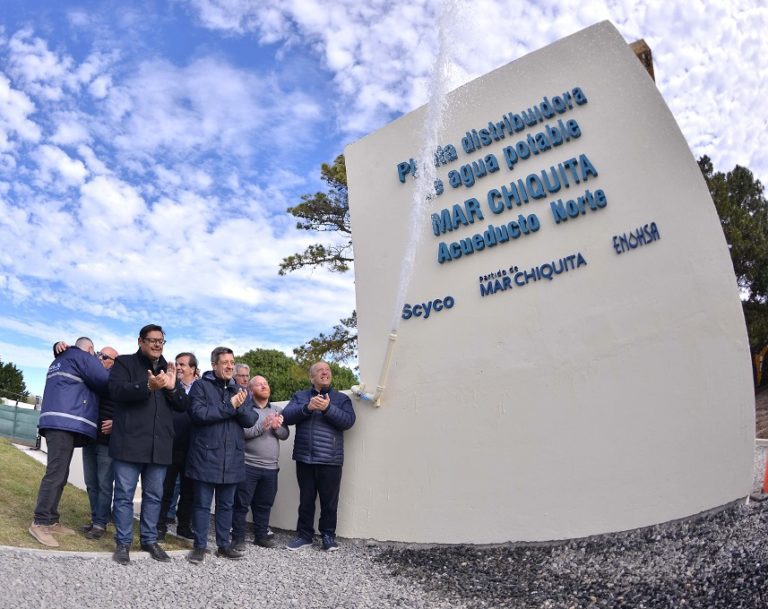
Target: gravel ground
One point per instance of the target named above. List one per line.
(715, 561)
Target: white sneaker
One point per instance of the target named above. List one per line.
(42, 533)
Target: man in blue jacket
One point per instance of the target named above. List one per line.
(321, 416)
(67, 419)
(219, 409)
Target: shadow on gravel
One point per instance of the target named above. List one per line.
(714, 561)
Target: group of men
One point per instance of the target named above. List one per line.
(139, 416)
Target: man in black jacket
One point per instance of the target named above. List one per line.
(145, 392)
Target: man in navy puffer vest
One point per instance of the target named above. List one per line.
(321, 416)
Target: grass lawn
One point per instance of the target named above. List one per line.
(20, 478)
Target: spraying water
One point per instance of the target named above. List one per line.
(424, 188)
(425, 163)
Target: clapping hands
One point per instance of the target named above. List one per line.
(163, 379)
(272, 421)
(319, 402)
(238, 399)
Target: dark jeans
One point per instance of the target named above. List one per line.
(99, 480)
(61, 445)
(257, 492)
(201, 512)
(184, 509)
(323, 481)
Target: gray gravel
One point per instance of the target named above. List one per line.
(714, 561)
(275, 578)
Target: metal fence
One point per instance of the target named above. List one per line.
(19, 424)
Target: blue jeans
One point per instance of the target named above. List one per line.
(256, 492)
(126, 477)
(99, 479)
(201, 512)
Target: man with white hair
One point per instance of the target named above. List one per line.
(67, 419)
(242, 374)
(321, 416)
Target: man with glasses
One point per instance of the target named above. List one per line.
(97, 464)
(242, 375)
(145, 392)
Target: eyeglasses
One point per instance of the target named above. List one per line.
(104, 356)
(154, 341)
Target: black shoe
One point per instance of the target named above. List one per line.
(156, 552)
(121, 555)
(266, 542)
(196, 556)
(229, 552)
(95, 532)
(185, 532)
(238, 545)
(86, 527)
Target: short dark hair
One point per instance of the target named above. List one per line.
(191, 356)
(218, 351)
(150, 328)
(83, 342)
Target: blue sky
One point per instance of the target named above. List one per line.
(148, 150)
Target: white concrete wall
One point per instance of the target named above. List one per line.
(615, 396)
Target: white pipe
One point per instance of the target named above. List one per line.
(359, 390)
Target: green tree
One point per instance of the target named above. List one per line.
(286, 375)
(743, 212)
(12, 384)
(326, 212)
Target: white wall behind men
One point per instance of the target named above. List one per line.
(603, 382)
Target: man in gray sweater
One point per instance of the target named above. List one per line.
(262, 450)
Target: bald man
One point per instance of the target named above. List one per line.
(97, 464)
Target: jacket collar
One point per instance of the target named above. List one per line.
(231, 385)
(161, 363)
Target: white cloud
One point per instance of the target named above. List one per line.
(100, 86)
(206, 106)
(108, 204)
(38, 70)
(711, 58)
(54, 164)
(15, 110)
(69, 131)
